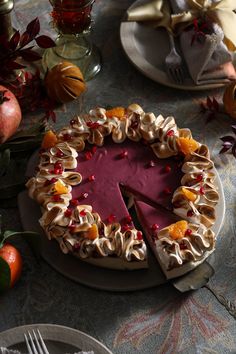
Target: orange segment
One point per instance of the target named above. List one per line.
(59, 188)
(92, 232)
(49, 140)
(177, 230)
(117, 112)
(187, 145)
(189, 195)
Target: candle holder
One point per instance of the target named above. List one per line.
(72, 20)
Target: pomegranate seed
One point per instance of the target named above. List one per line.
(59, 153)
(58, 164)
(182, 246)
(72, 122)
(93, 125)
(128, 219)
(72, 228)
(190, 213)
(139, 235)
(111, 218)
(123, 154)
(125, 228)
(91, 178)
(151, 163)
(155, 227)
(170, 132)
(82, 213)
(67, 137)
(74, 202)
(94, 149)
(188, 232)
(167, 190)
(50, 181)
(88, 155)
(57, 171)
(76, 246)
(199, 178)
(167, 168)
(202, 191)
(57, 198)
(134, 124)
(84, 196)
(68, 213)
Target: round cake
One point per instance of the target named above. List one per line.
(117, 180)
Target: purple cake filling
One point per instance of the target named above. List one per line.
(130, 166)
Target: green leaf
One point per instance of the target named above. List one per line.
(5, 275)
(32, 238)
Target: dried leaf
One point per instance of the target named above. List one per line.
(228, 138)
(45, 42)
(29, 55)
(223, 150)
(33, 28)
(209, 103)
(24, 39)
(14, 41)
(215, 104)
(13, 65)
(234, 128)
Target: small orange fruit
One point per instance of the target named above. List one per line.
(189, 195)
(59, 188)
(187, 146)
(178, 229)
(92, 232)
(49, 140)
(117, 112)
(14, 260)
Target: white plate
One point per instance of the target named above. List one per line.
(147, 49)
(59, 339)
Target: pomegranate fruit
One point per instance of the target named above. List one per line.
(10, 114)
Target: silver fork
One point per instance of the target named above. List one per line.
(174, 62)
(35, 343)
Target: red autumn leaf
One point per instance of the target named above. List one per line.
(45, 42)
(215, 104)
(13, 65)
(33, 28)
(24, 39)
(13, 43)
(29, 55)
(233, 128)
(209, 102)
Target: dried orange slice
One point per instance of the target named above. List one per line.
(187, 145)
(178, 229)
(92, 232)
(117, 112)
(59, 188)
(49, 140)
(189, 195)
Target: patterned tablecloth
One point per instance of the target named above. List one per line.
(158, 320)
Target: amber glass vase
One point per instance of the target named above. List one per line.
(72, 21)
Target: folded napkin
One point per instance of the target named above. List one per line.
(209, 60)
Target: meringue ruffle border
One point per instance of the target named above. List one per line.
(70, 229)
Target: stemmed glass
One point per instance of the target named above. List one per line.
(72, 20)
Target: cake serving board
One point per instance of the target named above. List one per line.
(87, 274)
